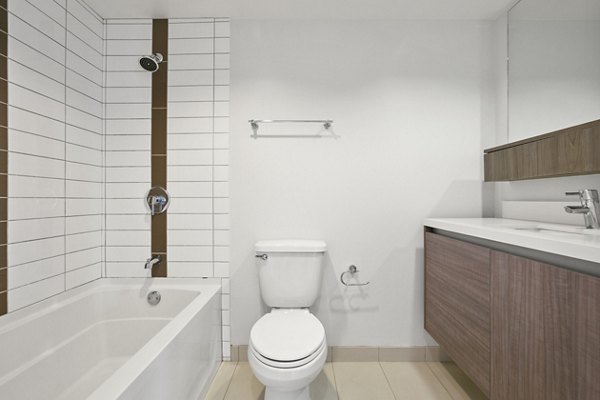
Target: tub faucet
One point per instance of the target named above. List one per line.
(590, 207)
(151, 262)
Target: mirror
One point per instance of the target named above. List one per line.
(554, 66)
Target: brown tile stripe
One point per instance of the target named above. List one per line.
(160, 44)
(3, 155)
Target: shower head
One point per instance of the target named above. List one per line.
(150, 63)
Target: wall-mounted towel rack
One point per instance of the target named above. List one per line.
(254, 123)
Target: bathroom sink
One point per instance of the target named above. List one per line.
(569, 240)
(557, 230)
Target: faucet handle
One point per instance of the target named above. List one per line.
(585, 194)
(158, 200)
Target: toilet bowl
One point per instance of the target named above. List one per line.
(287, 351)
(287, 347)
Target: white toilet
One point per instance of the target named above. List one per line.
(287, 348)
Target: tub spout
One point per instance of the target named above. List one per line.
(151, 262)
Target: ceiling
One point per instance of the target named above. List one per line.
(304, 9)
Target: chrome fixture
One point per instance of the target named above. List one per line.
(352, 270)
(254, 123)
(264, 257)
(590, 207)
(152, 261)
(325, 122)
(153, 298)
(150, 63)
(158, 200)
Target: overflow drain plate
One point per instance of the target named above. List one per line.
(153, 298)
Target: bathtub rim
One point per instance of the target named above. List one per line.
(125, 375)
(23, 315)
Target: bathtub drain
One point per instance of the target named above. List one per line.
(153, 298)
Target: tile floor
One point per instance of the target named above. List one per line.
(359, 381)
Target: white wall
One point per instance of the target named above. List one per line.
(55, 72)
(410, 102)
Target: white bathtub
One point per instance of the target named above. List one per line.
(103, 341)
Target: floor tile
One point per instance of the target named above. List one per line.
(456, 382)
(244, 385)
(414, 380)
(220, 383)
(360, 381)
(323, 387)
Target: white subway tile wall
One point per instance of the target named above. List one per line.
(79, 150)
(196, 239)
(56, 56)
(197, 151)
(84, 143)
(128, 138)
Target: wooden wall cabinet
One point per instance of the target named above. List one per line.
(571, 151)
(543, 335)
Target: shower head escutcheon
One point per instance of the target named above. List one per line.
(150, 63)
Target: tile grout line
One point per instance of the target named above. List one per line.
(65, 154)
(104, 153)
(337, 394)
(5, 162)
(213, 159)
(386, 379)
(237, 363)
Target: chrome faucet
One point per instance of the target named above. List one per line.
(590, 207)
(151, 262)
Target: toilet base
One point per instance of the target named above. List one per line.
(275, 394)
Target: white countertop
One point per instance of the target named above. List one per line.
(565, 240)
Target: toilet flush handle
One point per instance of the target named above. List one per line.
(263, 256)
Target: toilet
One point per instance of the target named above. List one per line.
(288, 348)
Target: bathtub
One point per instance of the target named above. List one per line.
(104, 341)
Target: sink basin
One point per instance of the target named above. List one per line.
(557, 230)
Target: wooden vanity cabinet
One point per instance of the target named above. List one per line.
(545, 331)
(542, 338)
(457, 303)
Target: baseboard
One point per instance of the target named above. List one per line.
(366, 354)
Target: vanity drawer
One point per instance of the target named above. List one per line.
(457, 303)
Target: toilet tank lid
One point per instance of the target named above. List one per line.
(290, 246)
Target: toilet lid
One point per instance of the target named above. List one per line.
(287, 335)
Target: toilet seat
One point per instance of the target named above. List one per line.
(287, 338)
(287, 364)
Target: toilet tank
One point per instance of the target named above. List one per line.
(290, 271)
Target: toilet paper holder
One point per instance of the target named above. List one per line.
(352, 270)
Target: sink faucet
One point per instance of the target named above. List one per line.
(151, 262)
(590, 207)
